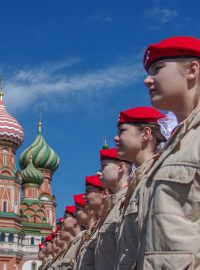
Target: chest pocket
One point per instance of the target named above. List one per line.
(174, 188)
(87, 254)
(107, 237)
(169, 261)
(131, 220)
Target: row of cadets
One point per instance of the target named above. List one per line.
(97, 246)
(54, 248)
(95, 198)
(54, 244)
(114, 176)
(162, 204)
(100, 249)
(69, 229)
(75, 220)
(81, 215)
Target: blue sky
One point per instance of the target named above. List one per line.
(81, 63)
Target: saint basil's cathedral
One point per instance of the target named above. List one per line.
(27, 205)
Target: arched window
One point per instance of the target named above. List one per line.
(32, 241)
(2, 237)
(11, 238)
(5, 206)
(42, 239)
(4, 157)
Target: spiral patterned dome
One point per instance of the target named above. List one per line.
(43, 155)
(10, 129)
(31, 175)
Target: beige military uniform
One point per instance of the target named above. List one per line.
(48, 262)
(169, 203)
(127, 231)
(56, 260)
(85, 251)
(42, 265)
(105, 250)
(67, 261)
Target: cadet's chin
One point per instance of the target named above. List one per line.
(158, 103)
(120, 153)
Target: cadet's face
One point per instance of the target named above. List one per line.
(67, 226)
(44, 249)
(94, 197)
(128, 142)
(109, 173)
(41, 255)
(81, 215)
(55, 248)
(166, 84)
(60, 243)
(49, 247)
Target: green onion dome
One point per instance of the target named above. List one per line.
(31, 175)
(43, 155)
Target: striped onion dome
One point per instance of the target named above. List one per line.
(43, 155)
(31, 175)
(10, 129)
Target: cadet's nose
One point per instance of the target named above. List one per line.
(148, 81)
(116, 138)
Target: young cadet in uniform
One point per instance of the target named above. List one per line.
(81, 216)
(41, 256)
(114, 175)
(49, 253)
(57, 247)
(64, 235)
(170, 200)
(59, 243)
(95, 197)
(137, 140)
(84, 217)
(71, 228)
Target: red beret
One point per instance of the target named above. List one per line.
(108, 154)
(60, 220)
(70, 209)
(93, 180)
(48, 238)
(140, 115)
(53, 234)
(40, 246)
(58, 229)
(170, 48)
(79, 199)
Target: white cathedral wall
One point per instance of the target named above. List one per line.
(28, 264)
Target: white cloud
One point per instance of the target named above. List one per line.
(160, 15)
(40, 85)
(99, 17)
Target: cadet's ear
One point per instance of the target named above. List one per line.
(122, 166)
(106, 193)
(193, 70)
(146, 133)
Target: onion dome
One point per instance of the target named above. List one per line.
(31, 175)
(10, 129)
(43, 155)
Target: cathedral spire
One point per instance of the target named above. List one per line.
(105, 145)
(40, 122)
(1, 91)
